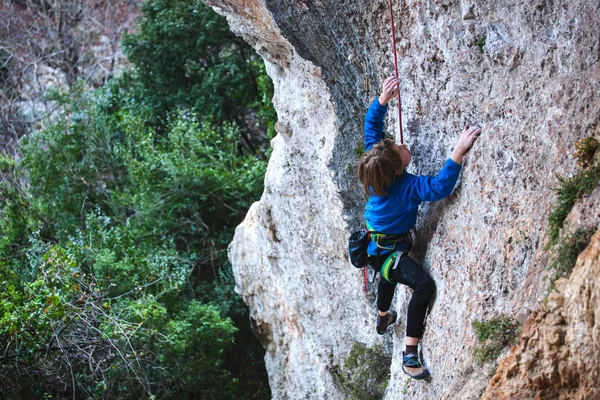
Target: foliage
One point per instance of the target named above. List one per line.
(193, 182)
(366, 372)
(75, 162)
(63, 299)
(17, 218)
(115, 224)
(480, 42)
(493, 335)
(186, 57)
(571, 190)
(145, 214)
(569, 247)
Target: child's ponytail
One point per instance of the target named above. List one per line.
(378, 168)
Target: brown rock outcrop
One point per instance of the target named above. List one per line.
(558, 353)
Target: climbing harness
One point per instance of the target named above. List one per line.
(358, 244)
(396, 69)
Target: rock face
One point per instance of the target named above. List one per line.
(527, 72)
(557, 354)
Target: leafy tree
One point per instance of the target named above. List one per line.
(115, 223)
(186, 57)
(193, 184)
(74, 163)
(69, 315)
(17, 218)
(144, 220)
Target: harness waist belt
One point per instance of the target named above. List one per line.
(387, 240)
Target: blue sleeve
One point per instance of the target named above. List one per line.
(374, 124)
(433, 188)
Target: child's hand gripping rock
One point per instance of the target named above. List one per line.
(464, 143)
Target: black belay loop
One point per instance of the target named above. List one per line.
(358, 243)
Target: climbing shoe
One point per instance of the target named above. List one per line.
(385, 321)
(411, 365)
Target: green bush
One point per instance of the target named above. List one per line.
(17, 216)
(75, 163)
(144, 219)
(569, 246)
(61, 304)
(194, 182)
(493, 336)
(186, 57)
(114, 225)
(573, 189)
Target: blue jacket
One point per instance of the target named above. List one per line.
(396, 213)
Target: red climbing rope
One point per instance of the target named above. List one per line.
(396, 69)
(399, 106)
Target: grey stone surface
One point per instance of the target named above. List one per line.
(527, 72)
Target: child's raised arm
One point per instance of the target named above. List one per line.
(374, 126)
(433, 188)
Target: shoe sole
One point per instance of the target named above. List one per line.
(423, 375)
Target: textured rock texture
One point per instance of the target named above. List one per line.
(558, 352)
(527, 72)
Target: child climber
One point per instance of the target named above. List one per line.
(391, 211)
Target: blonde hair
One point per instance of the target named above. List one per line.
(378, 167)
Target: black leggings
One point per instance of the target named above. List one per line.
(411, 274)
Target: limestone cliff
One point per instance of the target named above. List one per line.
(527, 72)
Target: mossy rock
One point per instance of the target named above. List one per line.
(366, 372)
(494, 335)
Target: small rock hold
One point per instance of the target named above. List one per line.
(283, 128)
(466, 10)
(554, 319)
(555, 301)
(560, 285)
(522, 315)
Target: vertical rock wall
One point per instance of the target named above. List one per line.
(527, 72)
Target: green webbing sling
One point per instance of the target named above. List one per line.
(387, 265)
(390, 261)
